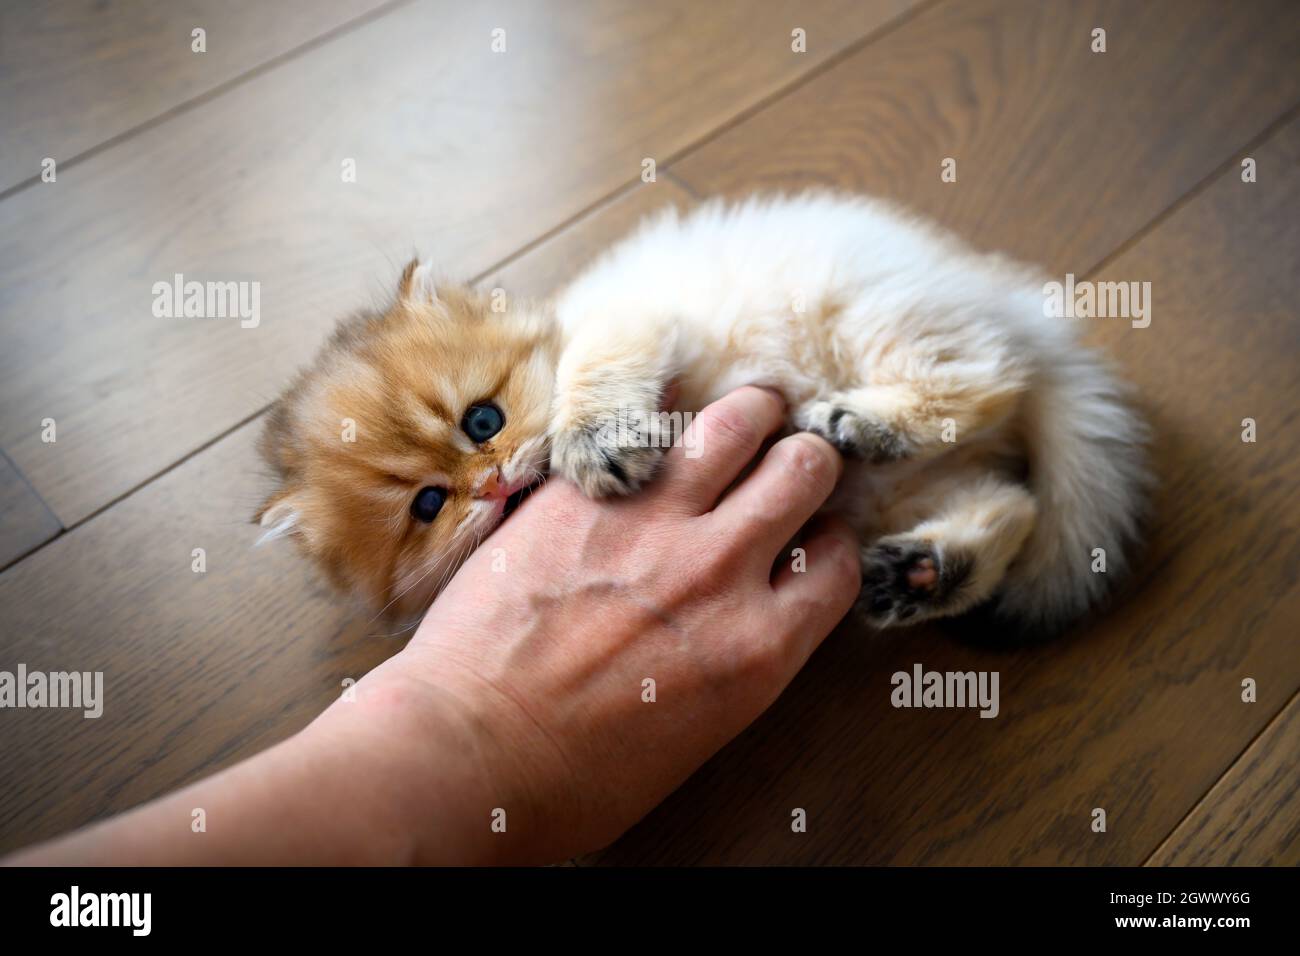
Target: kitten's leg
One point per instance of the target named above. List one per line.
(606, 432)
(951, 562)
(886, 422)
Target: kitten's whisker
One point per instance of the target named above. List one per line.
(402, 593)
(406, 590)
(448, 570)
(402, 630)
(454, 566)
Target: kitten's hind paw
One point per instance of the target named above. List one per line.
(603, 462)
(855, 434)
(906, 580)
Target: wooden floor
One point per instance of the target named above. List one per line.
(513, 168)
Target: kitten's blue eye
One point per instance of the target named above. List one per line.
(427, 504)
(481, 422)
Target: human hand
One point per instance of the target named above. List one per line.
(534, 660)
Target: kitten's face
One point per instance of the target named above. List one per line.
(399, 449)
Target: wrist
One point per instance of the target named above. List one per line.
(432, 753)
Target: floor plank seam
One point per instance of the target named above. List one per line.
(213, 93)
(140, 486)
(586, 212)
(14, 562)
(1204, 183)
(1295, 695)
(749, 112)
(44, 504)
(680, 183)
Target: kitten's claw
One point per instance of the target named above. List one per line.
(601, 467)
(854, 434)
(906, 580)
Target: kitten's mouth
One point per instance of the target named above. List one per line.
(516, 499)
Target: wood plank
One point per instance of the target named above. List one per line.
(1061, 153)
(462, 153)
(76, 73)
(887, 777)
(1252, 816)
(200, 670)
(546, 268)
(25, 522)
(1139, 712)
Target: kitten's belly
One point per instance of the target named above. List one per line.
(873, 498)
(867, 495)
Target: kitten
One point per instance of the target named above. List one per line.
(989, 454)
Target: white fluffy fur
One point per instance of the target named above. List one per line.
(843, 303)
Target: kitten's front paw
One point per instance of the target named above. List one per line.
(853, 433)
(603, 462)
(906, 580)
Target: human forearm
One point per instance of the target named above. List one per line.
(342, 791)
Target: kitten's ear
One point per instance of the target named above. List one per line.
(417, 283)
(280, 517)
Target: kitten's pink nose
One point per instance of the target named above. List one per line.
(493, 486)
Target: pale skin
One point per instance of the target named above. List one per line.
(524, 691)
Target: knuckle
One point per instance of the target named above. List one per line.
(735, 544)
(724, 420)
(845, 563)
(772, 401)
(725, 560)
(811, 459)
(763, 659)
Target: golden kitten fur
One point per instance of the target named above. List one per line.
(399, 381)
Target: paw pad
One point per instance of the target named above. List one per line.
(900, 579)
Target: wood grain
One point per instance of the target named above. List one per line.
(1139, 712)
(200, 669)
(1252, 816)
(1061, 153)
(545, 268)
(76, 73)
(1063, 156)
(25, 522)
(461, 153)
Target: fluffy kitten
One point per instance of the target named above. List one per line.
(988, 453)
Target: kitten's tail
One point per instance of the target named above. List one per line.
(1087, 468)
